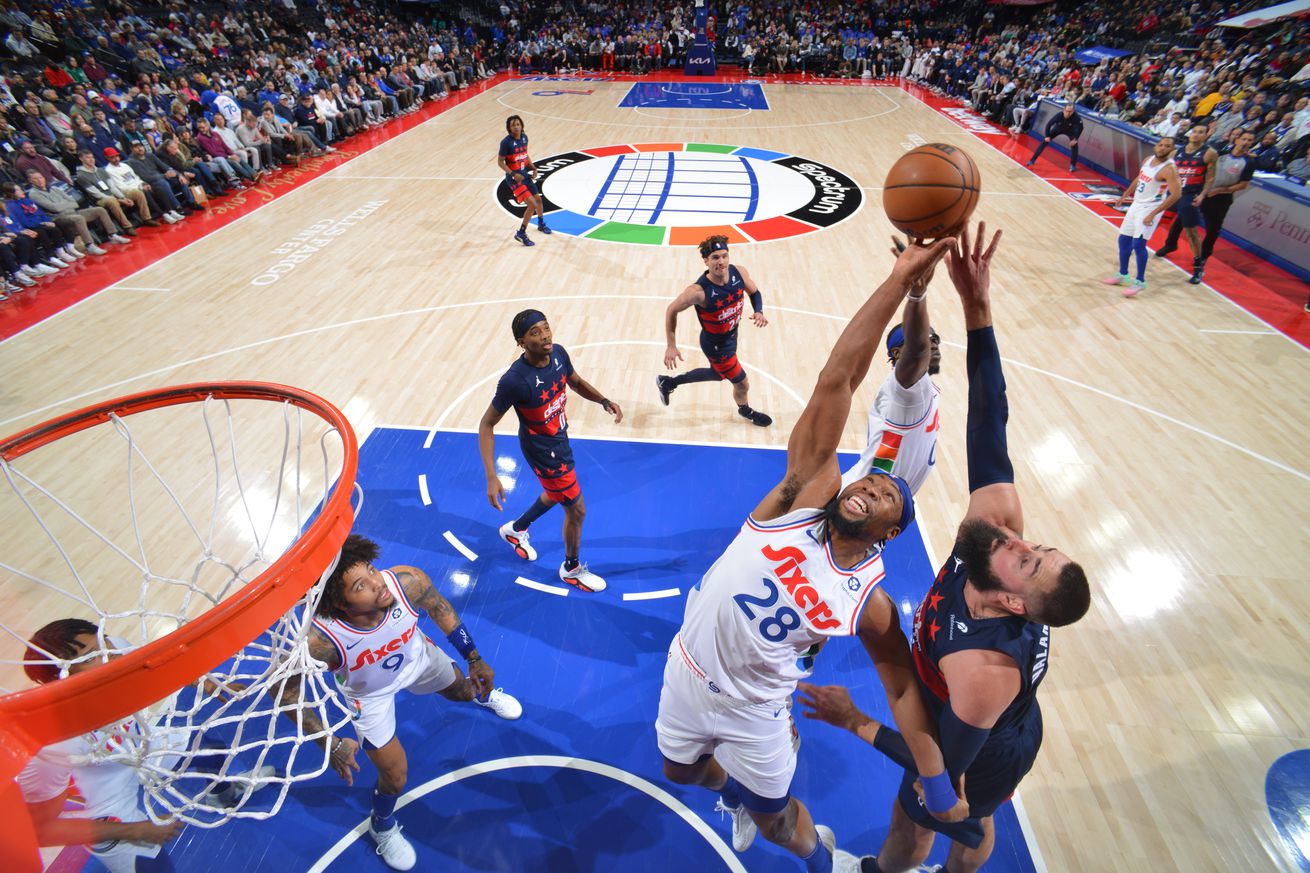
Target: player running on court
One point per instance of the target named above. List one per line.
(536, 386)
(366, 631)
(1156, 190)
(903, 420)
(982, 634)
(513, 160)
(804, 567)
(719, 296)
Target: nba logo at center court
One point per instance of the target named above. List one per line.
(680, 193)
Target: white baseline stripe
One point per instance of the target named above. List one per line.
(1249, 332)
(459, 546)
(653, 595)
(1039, 863)
(423, 489)
(136, 288)
(537, 586)
(648, 788)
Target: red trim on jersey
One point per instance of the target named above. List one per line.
(689, 660)
(864, 598)
(400, 590)
(332, 638)
(765, 528)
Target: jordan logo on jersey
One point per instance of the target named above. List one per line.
(368, 656)
(802, 593)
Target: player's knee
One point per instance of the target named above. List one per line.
(577, 510)
(392, 779)
(780, 827)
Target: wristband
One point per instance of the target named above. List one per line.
(913, 299)
(605, 404)
(938, 792)
(462, 640)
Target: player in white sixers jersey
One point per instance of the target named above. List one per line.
(1156, 189)
(366, 632)
(112, 823)
(803, 568)
(903, 421)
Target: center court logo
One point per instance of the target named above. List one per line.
(680, 193)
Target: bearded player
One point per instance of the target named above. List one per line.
(804, 567)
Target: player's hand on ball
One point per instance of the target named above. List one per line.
(758, 319)
(830, 703)
(482, 677)
(959, 812)
(671, 357)
(343, 760)
(919, 287)
(496, 493)
(915, 264)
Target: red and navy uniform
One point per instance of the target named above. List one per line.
(719, 318)
(515, 153)
(1191, 177)
(942, 626)
(539, 395)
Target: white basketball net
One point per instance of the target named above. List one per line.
(141, 525)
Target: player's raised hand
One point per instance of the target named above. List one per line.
(758, 319)
(970, 265)
(496, 493)
(342, 759)
(671, 357)
(914, 264)
(919, 287)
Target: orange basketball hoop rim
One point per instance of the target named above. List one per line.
(36, 717)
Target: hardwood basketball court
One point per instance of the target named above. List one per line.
(1155, 440)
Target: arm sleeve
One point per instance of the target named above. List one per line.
(960, 742)
(987, 449)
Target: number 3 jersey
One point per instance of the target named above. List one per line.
(776, 592)
(386, 658)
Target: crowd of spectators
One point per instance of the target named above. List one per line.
(116, 116)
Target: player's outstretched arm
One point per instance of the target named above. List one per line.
(52, 829)
(812, 473)
(424, 595)
(341, 750)
(690, 296)
(588, 391)
(992, 495)
(486, 448)
(880, 633)
(916, 354)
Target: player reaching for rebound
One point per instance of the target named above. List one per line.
(982, 634)
(519, 174)
(536, 386)
(366, 632)
(719, 296)
(804, 567)
(1157, 189)
(903, 420)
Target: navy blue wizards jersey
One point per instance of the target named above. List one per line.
(723, 304)
(943, 625)
(515, 152)
(538, 395)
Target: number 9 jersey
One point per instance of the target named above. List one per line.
(384, 659)
(774, 593)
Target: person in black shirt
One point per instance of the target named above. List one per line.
(1232, 174)
(1067, 124)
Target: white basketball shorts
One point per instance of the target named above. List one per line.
(1135, 225)
(755, 742)
(375, 717)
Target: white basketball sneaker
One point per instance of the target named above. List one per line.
(827, 837)
(582, 578)
(519, 540)
(743, 826)
(501, 704)
(394, 849)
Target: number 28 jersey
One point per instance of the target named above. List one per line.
(380, 660)
(771, 596)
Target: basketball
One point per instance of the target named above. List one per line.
(931, 191)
